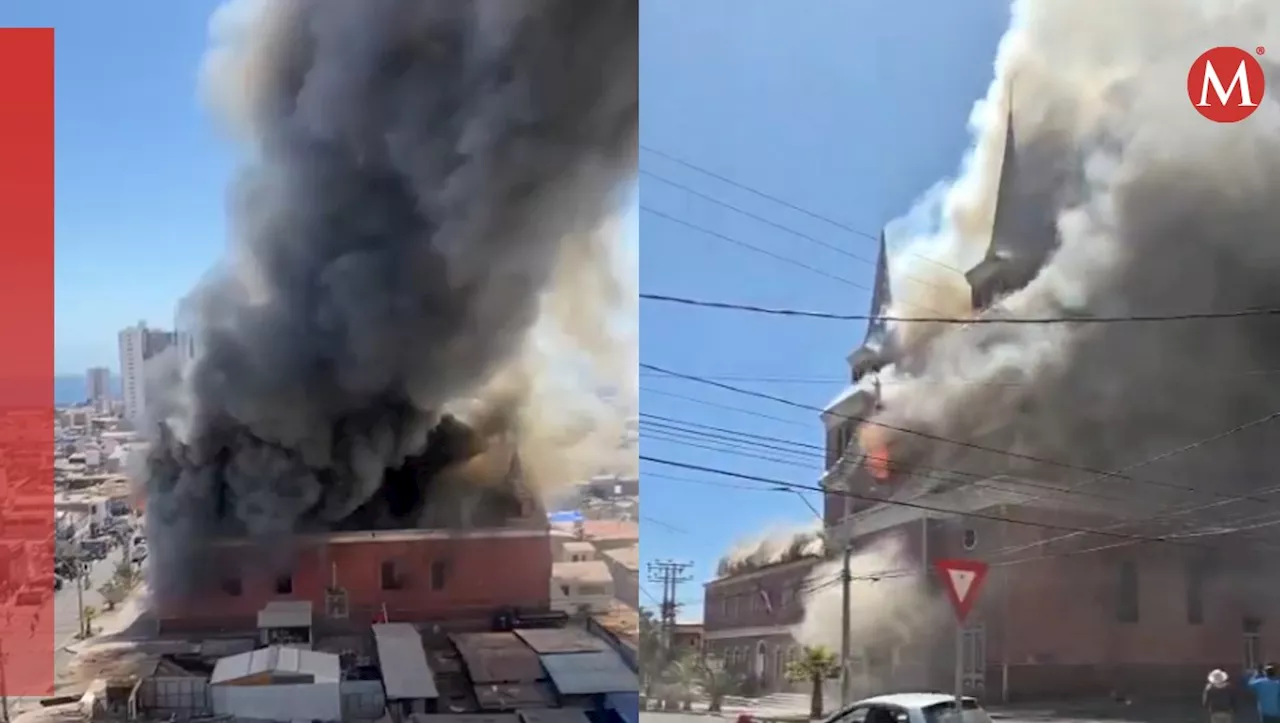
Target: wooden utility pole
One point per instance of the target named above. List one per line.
(846, 579)
(670, 574)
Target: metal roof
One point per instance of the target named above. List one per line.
(321, 667)
(462, 718)
(513, 696)
(553, 715)
(561, 640)
(405, 672)
(497, 658)
(285, 614)
(590, 673)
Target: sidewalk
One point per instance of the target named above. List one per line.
(113, 622)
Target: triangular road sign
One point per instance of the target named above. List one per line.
(963, 580)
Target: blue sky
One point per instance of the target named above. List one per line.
(848, 110)
(140, 169)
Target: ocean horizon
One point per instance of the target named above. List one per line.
(71, 389)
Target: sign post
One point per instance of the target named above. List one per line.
(963, 580)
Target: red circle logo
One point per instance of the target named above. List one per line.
(1226, 84)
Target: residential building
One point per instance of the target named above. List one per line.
(584, 586)
(98, 386)
(748, 617)
(1062, 614)
(139, 345)
(687, 637)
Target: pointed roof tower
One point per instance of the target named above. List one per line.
(985, 279)
(871, 354)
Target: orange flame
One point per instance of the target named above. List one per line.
(875, 445)
(877, 461)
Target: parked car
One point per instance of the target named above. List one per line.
(912, 708)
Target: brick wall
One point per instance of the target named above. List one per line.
(441, 576)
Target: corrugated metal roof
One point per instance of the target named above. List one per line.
(285, 614)
(462, 718)
(405, 672)
(561, 640)
(590, 673)
(554, 715)
(321, 667)
(498, 658)
(513, 696)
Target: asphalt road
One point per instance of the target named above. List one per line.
(1065, 714)
(66, 608)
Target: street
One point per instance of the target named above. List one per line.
(66, 613)
(1098, 712)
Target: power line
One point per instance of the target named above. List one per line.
(786, 204)
(916, 471)
(1096, 473)
(784, 228)
(950, 380)
(752, 247)
(918, 506)
(969, 321)
(1267, 522)
(726, 407)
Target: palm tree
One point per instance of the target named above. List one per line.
(682, 678)
(718, 680)
(652, 652)
(814, 665)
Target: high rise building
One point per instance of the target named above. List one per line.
(98, 384)
(138, 345)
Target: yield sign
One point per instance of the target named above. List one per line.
(963, 579)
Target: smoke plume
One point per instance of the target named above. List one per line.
(889, 604)
(423, 235)
(771, 548)
(1138, 206)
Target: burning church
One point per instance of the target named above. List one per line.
(1114, 475)
(371, 419)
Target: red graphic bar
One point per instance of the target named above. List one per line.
(29, 632)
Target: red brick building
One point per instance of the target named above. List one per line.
(351, 577)
(1060, 613)
(748, 617)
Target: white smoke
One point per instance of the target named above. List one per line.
(889, 600)
(1156, 211)
(774, 546)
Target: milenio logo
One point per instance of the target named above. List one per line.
(1234, 100)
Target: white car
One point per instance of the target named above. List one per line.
(912, 708)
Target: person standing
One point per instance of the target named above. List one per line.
(1219, 698)
(1266, 691)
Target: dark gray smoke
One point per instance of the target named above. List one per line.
(1149, 209)
(420, 172)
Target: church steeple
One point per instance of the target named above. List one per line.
(986, 280)
(871, 355)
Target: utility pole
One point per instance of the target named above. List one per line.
(670, 574)
(81, 581)
(846, 580)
